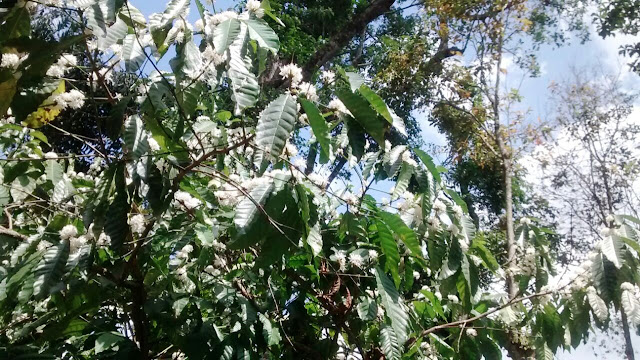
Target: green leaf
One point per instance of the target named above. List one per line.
(370, 160)
(407, 235)
(393, 160)
(5, 197)
(174, 9)
(224, 34)
(260, 31)
(318, 125)
(99, 15)
(543, 352)
(428, 162)
(270, 332)
(486, 256)
(108, 341)
(7, 91)
(393, 306)
(16, 24)
(116, 225)
(179, 305)
(132, 16)
(50, 269)
(268, 11)
(114, 33)
(53, 171)
(389, 343)
(135, 137)
(314, 239)
(406, 171)
(612, 249)
(468, 228)
(62, 190)
(389, 248)
(598, 305)
(244, 83)
(247, 210)
(367, 308)
(275, 124)
(189, 60)
(22, 187)
(355, 80)
(376, 102)
(132, 53)
(364, 115)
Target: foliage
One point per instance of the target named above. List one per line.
(199, 231)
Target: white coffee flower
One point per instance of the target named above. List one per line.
(10, 61)
(291, 72)
(627, 286)
(453, 299)
(43, 245)
(457, 210)
(338, 107)
(68, 231)
(104, 240)
(308, 90)
(218, 18)
(73, 99)
(341, 259)
(55, 71)
(472, 332)
(254, 6)
(75, 243)
(137, 223)
(454, 230)
(525, 221)
(373, 255)
(199, 25)
(67, 60)
(439, 207)
(50, 155)
(356, 260)
(328, 76)
(185, 199)
(153, 144)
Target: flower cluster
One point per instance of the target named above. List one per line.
(73, 99)
(185, 199)
(292, 73)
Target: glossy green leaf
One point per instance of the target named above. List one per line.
(376, 102)
(318, 125)
(247, 210)
(393, 306)
(50, 269)
(260, 31)
(135, 137)
(406, 234)
(364, 114)
(389, 247)
(225, 33)
(132, 53)
(276, 124)
(389, 343)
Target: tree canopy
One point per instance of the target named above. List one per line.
(227, 205)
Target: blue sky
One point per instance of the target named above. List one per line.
(556, 64)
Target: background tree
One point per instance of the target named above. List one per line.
(589, 162)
